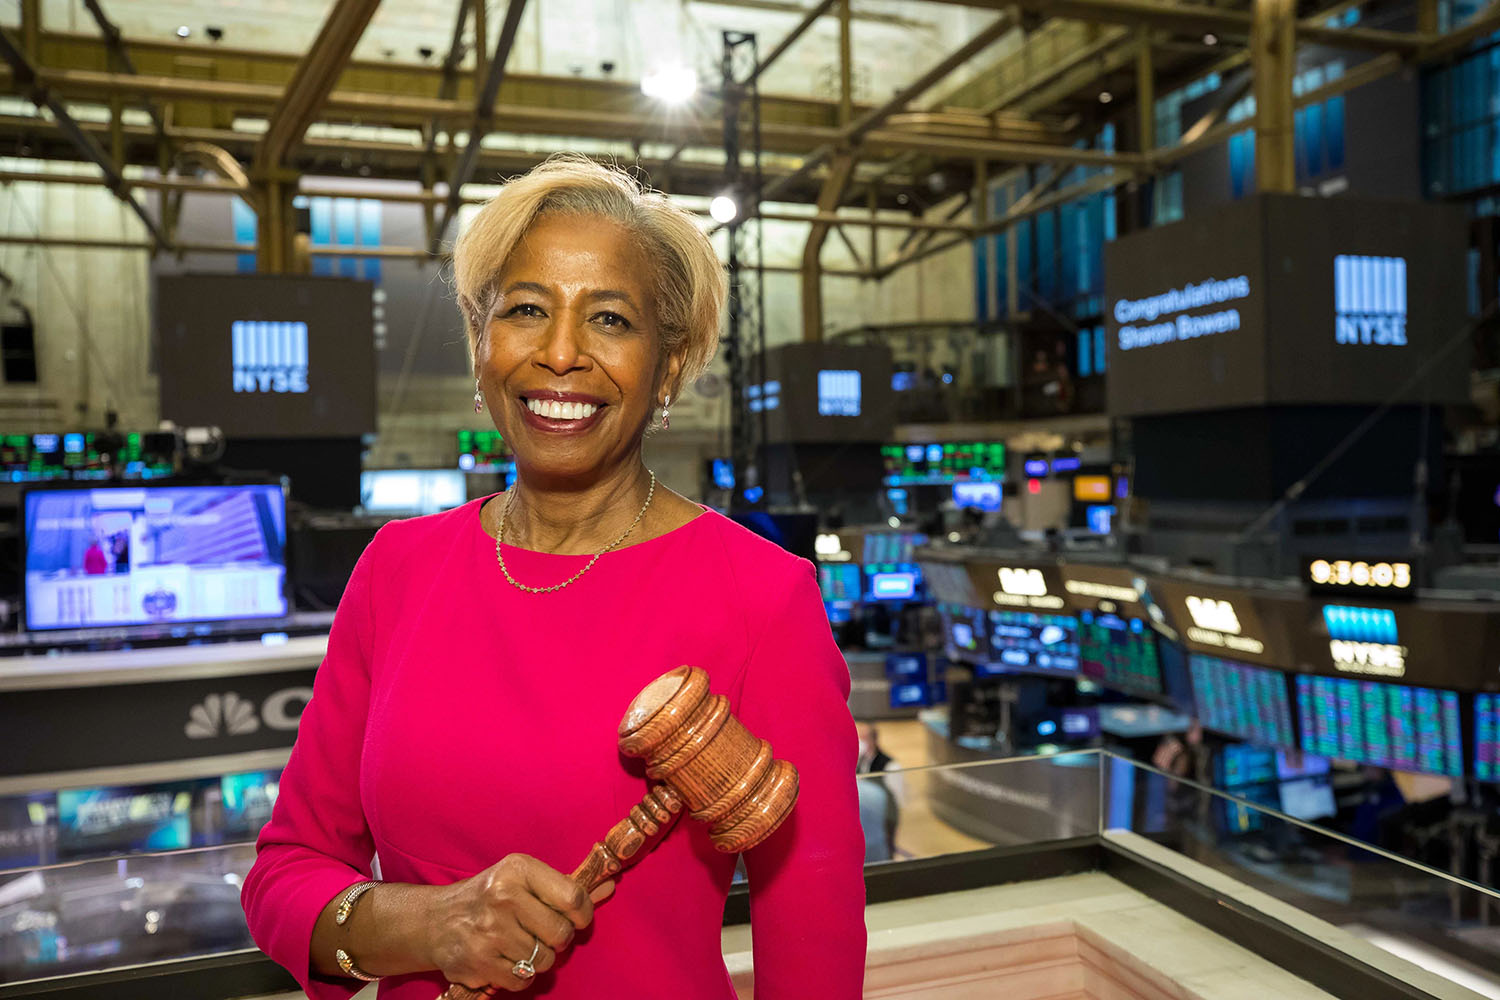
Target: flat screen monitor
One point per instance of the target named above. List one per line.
(839, 582)
(1120, 652)
(1241, 764)
(906, 667)
(1237, 817)
(964, 633)
(246, 799)
(1487, 737)
(1026, 642)
(1246, 702)
(1308, 799)
(893, 583)
(891, 546)
(124, 819)
(411, 491)
(143, 555)
(984, 495)
(1293, 764)
(484, 452)
(1389, 725)
(942, 464)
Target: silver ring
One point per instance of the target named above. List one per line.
(524, 969)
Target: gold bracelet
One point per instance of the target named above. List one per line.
(346, 905)
(350, 969)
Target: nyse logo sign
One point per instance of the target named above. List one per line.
(230, 715)
(1217, 615)
(1377, 658)
(1215, 623)
(269, 356)
(1369, 296)
(1025, 588)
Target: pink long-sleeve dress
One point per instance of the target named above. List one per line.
(457, 719)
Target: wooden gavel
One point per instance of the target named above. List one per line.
(704, 758)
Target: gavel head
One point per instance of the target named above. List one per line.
(726, 775)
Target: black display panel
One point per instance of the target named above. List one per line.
(817, 392)
(267, 356)
(1487, 737)
(1279, 299)
(1389, 725)
(1248, 702)
(965, 635)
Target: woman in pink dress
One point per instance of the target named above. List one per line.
(462, 733)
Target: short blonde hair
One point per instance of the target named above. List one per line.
(690, 283)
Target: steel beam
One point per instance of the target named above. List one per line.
(484, 117)
(1182, 18)
(829, 198)
(790, 37)
(1079, 56)
(846, 62)
(1273, 54)
(42, 97)
(857, 130)
(1483, 23)
(313, 80)
(449, 82)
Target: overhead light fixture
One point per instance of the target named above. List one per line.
(670, 84)
(1210, 39)
(183, 31)
(1105, 97)
(723, 209)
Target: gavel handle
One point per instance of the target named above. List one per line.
(648, 821)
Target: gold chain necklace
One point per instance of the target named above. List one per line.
(500, 538)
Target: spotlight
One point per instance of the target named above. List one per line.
(214, 33)
(670, 84)
(183, 31)
(1210, 39)
(1105, 97)
(723, 209)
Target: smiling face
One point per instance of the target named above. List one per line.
(570, 359)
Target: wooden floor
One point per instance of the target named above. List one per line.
(919, 834)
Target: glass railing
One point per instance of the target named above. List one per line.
(105, 914)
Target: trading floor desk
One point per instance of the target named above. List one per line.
(1112, 908)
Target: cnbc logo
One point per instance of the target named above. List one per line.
(269, 356)
(1369, 297)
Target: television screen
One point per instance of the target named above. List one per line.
(1292, 764)
(151, 554)
(984, 495)
(1487, 737)
(246, 800)
(267, 356)
(839, 582)
(964, 633)
(906, 666)
(106, 820)
(892, 584)
(484, 452)
(411, 491)
(1308, 799)
(1240, 700)
(891, 546)
(1241, 764)
(1033, 643)
(28, 830)
(1120, 652)
(942, 464)
(1389, 725)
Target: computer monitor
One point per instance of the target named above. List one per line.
(839, 582)
(142, 555)
(1244, 701)
(1397, 726)
(1308, 799)
(1487, 737)
(906, 667)
(984, 495)
(898, 583)
(1028, 642)
(411, 491)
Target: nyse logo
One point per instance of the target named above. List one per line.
(1369, 295)
(1023, 582)
(1211, 614)
(230, 715)
(269, 356)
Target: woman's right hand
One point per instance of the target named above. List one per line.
(481, 927)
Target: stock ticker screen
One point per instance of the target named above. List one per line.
(1120, 652)
(943, 464)
(1389, 725)
(1487, 737)
(1241, 700)
(964, 636)
(1026, 642)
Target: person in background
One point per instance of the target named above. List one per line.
(880, 798)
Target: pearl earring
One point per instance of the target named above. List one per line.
(666, 415)
(478, 399)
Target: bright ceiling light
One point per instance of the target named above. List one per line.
(670, 84)
(1210, 39)
(1105, 97)
(183, 31)
(723, 209)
